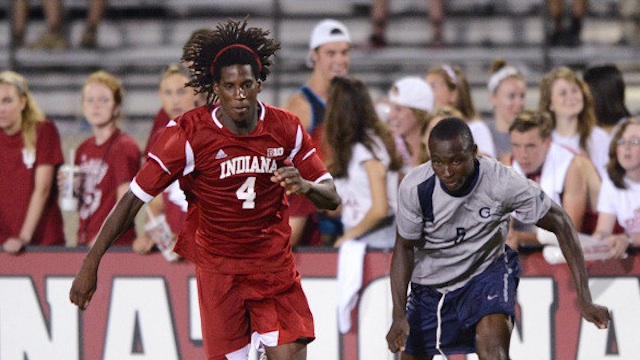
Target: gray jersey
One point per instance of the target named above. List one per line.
(458, 237)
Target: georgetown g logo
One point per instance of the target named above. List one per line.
(484, 212)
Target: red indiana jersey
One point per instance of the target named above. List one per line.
(242, 215)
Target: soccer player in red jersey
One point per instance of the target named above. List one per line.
(237, 159)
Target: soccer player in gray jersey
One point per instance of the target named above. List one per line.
(453, 215)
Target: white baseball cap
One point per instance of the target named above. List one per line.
(326, 31)
(413, 92)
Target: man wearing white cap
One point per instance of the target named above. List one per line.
(411, 101)
(329, 56)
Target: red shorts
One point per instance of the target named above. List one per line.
(270, 307)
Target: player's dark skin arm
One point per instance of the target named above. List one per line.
(401, 270)
(323, 194)
(558, 222)
(118, 221)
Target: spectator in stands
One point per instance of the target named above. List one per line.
(619, 199)
(438, 114)
(607, 88)
(108, 160)
(380, 14)
(568, 99)
(450, 87)
(176, 98)
(569, 35)
(53, 37)
(30, 153)
(329, 56)
(411, 100)
(364, 164)
(570, 180)
(507, 89)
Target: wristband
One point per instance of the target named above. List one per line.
(546, 237)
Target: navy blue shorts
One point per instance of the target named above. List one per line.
(491, 292)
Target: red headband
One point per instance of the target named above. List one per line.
(212, 67)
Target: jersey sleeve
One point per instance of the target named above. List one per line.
(410, 221)
(48, 146)
(305, 158)
(524, 198)
(169, 159)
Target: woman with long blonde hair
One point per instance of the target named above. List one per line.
(568, 98)
(30, 153)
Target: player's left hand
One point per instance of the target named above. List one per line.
(596, 314)
(397, 335)
(289, 178)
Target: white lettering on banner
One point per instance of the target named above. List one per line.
(140, 307)
(195, 327)
(622, 296)
(24, 331)
(321, 294)
(532, 336)
(374, 320)
(140, 317)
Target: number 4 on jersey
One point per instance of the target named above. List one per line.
(247, 193)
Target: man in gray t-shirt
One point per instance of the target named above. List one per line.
(453, 215)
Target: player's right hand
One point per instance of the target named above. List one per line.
(397, 336)
(83, 287)
(596, 314)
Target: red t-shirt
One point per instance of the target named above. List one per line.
(104, 167)
(159, 123)
(17, 181)
(242, 216)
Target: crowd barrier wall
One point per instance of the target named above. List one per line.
(147, 308)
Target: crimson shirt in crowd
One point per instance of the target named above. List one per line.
(104, 168)
(17, 181)
(159, 123)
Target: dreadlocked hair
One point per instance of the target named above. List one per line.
(205, 47)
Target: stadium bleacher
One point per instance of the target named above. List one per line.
(139, 37)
